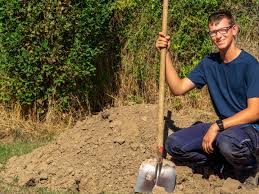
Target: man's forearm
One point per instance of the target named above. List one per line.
(248, 115)
(243, 117)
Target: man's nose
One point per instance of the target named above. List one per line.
(218, 35)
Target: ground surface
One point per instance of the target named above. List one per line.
(102, 154)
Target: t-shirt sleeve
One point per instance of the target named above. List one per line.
(197, 75)
(253, 79)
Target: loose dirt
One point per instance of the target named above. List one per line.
(102, 154)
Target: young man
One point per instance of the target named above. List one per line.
(232, 77)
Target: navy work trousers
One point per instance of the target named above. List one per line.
(237, 145)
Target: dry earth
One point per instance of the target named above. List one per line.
(102, 154)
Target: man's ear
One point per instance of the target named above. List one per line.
(235, 29)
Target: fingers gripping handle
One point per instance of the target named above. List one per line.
(162, 83)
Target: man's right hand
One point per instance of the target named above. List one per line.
(163, 41)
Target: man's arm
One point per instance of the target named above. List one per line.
(177, 85)
(248, 115)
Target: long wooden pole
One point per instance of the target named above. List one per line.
(162, 84)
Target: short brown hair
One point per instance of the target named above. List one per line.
(219, 15)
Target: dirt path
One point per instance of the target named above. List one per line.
(103, 154)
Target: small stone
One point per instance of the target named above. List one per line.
(181, 179)
(44, 176)
(105, 166)
(105, 115)
(215, 181)
(134, 146)
(119, 140)
(3, 134)
(230, 186)
(142, 148)
(49, 161)
(31, 183)
(212, 178)
(180, 187)
(144, 118)
(114, 124)
(159, 190)
(179, 192)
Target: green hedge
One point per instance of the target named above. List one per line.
(49, 50)
(70, 53)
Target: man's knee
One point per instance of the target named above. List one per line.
(172, 146)
(236, 153)
(226, 148)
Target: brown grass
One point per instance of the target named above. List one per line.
(250, 41)
(13, 125)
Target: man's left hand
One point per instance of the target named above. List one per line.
(208, 139)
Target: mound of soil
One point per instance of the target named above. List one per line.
(103, 154)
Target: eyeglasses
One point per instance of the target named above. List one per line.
(222, 31)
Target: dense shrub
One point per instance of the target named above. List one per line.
(49, 50)
(76, 53)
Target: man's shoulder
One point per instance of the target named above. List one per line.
(248, 57)
(212, 57)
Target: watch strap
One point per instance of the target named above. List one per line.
(220, 125)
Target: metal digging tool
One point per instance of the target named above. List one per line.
(158, 171)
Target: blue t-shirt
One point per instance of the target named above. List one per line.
(230, 84)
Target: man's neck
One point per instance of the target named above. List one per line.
(230, 54)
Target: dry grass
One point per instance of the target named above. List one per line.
(13, 125)
(250, 42)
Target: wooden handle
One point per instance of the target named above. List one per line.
(160, 134)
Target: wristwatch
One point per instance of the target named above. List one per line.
(220, 125)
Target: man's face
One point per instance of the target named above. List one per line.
(222, 33)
